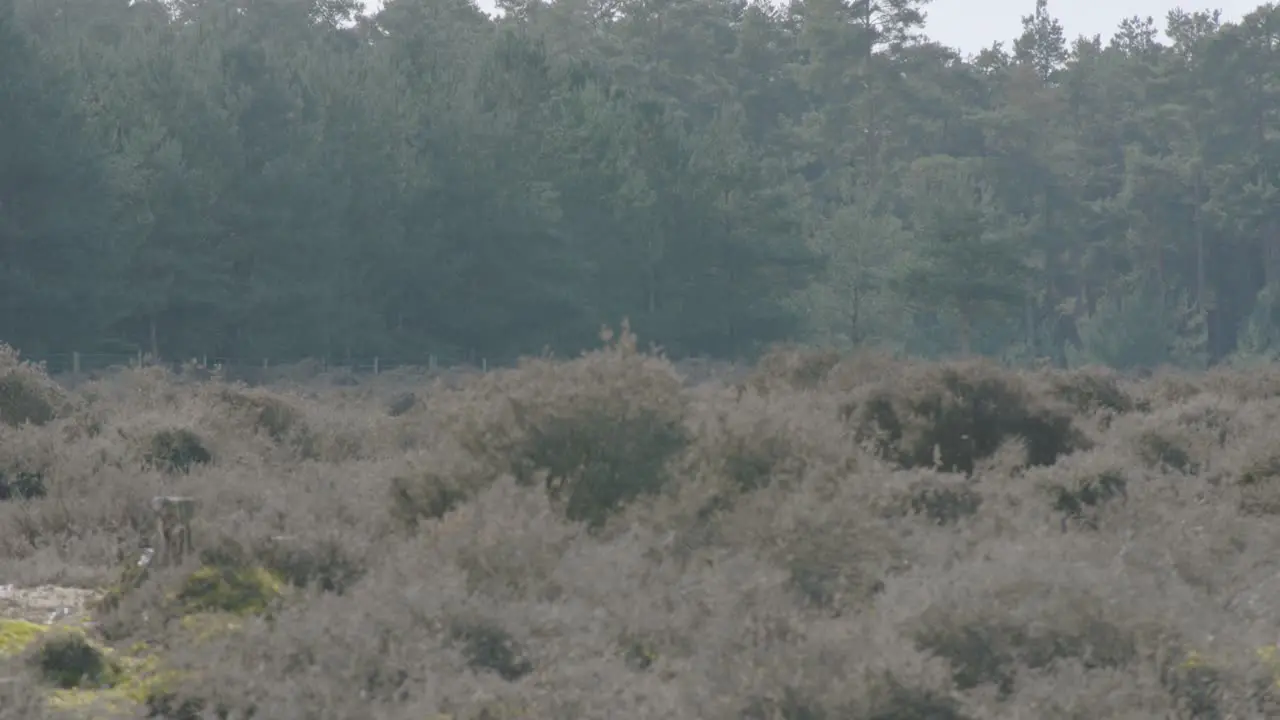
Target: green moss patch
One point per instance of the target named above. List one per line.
(16, 635)
(239, 591)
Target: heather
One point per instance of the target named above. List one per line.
(823, 536)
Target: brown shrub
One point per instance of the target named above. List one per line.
(952, 416)
(1186, 436)
(792, 368)
(754, 439)
(267, 412)
(1253, 468)
(1080, 485)
(1004, 620)
(433, 485)
(765, 565)
(1091, 389)
(941, 498)
(836, 551)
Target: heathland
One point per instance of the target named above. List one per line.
(607, 536)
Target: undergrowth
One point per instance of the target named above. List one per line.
(830, 537)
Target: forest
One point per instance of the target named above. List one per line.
(294, 178)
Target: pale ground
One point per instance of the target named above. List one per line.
(46, 604)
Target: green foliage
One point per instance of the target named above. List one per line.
(1165, 448)
(942, 501)
(22, 485)
(17, 635)
(222, 588)
(989, 652)
(176, 450)
(893, 700)
(67, 659)
(1138, 329)
(964, 255)
(951, 416)
(487, 646)
(726, 176)
(600, 430)
(1259, 481)
(1086, 492)
(428, 495)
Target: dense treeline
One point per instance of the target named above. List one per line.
(287, 178)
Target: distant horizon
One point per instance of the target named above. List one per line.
(955, 24)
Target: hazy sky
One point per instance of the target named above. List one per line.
(960, 23)
(971, 25)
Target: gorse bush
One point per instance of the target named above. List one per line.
(952, 416)
(176, 450)
(598, 431)
(67, 659)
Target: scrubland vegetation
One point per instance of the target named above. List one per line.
(822, 536)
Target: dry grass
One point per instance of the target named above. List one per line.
(830, 537)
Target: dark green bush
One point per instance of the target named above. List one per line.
(267, 413)
(1086, 492)
(22, 485)
(889, 699)
(66, 659)
(990, 650)
(600, 430)
(942, 501)
(176, 450)
(487, 646)
(951, 416)
(432, 492)
(1158, 448)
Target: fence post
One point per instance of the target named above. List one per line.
(375, 364)
(431, 362)
(484, 364)
(75, 362)
(265, 363)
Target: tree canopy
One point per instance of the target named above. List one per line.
(290, 178)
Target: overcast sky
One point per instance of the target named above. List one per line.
(971, 25)
(961, 24)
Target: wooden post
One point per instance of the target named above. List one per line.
(265, 363)
(375, 364)
(431, 363)
(75, 362)
(484, 364)
(173, 525)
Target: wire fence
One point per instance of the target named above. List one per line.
(78, 363)
(73, 366)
